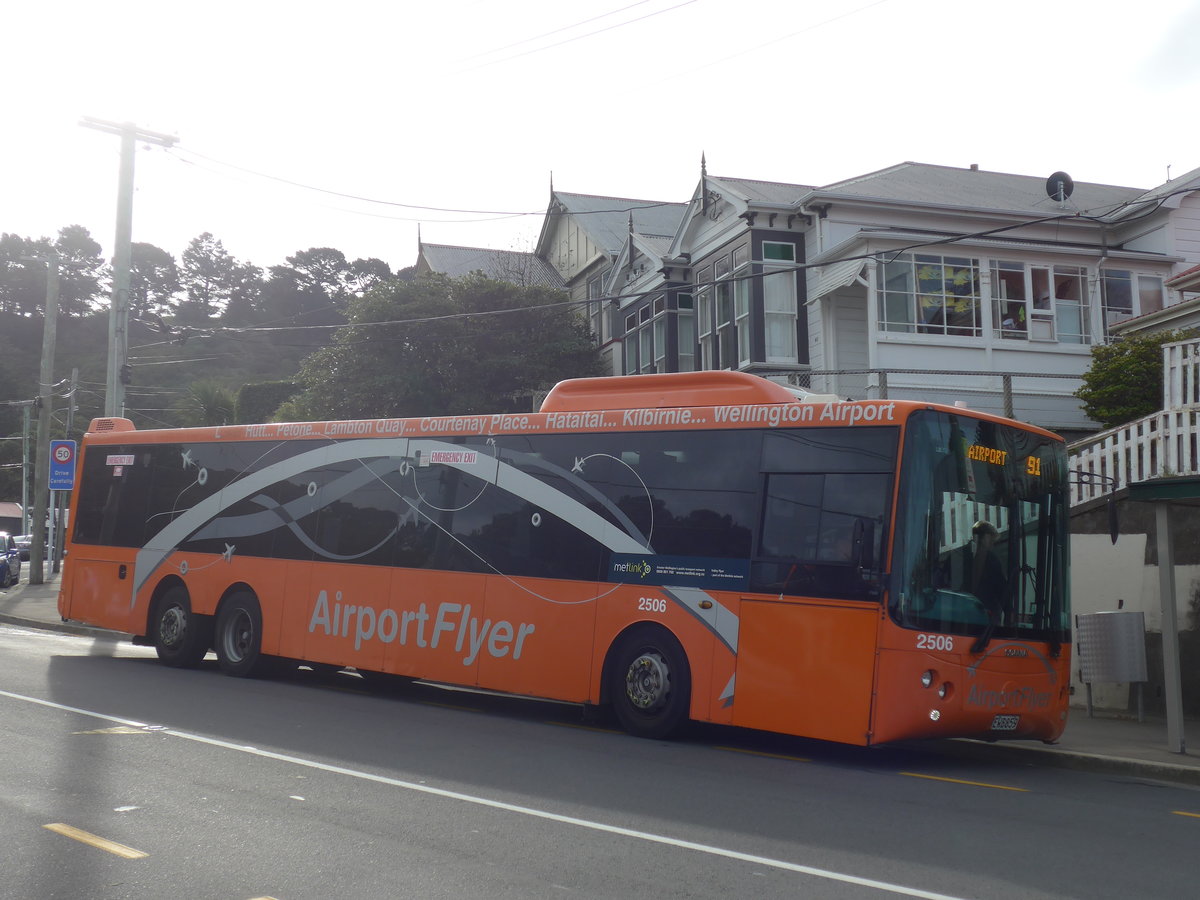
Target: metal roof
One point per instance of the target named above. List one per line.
(503, 265)
(764, 191)
(606, 219)
(976, 189)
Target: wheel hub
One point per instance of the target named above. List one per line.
(648, 682)
(172, 625)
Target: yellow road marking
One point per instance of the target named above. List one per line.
(1179, 812)
(586, 727)
(116, 729)
(762, 753)
(87, 837)
(449, 706)
(998, 787)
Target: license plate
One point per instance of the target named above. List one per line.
(1005, 723)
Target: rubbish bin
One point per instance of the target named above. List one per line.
(1112, 648)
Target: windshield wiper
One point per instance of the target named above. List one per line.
(985, 638)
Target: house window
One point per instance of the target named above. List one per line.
(1116, 292)
(1150, 294)
(645, 341)
(596, 314)
(1070, 303)
(659, 325)
(741, 303)
(630, 345)
(686, 320)
(724, 310)
(704, 295)
(1010, 300)
(931, 295)
(779, 301)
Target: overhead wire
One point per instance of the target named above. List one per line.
(579, 37)
(1152, 203)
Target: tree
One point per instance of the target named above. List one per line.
(22, 283)
(82, 269)
(317, 284)
(245, 295)
(1125, 380)
(153, 281)
(207, 273)
(259, 402)
(466, 345)
(207, 403)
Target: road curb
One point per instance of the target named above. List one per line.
(74, 628)
(1054, 757)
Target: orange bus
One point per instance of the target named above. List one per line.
(709, 546)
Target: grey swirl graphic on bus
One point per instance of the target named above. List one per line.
(208, 518)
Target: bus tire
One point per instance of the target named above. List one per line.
(180, 637)
(238, 638)
(650, 683)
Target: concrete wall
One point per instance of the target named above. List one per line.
(1106, 577)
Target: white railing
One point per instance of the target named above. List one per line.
(1181, 374)
(1162, 443)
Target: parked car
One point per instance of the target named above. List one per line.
(24, 542)
(10, 560)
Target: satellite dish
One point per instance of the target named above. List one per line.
(1059, 186)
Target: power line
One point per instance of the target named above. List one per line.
(492, 215)
(580, 36)
(538, 37)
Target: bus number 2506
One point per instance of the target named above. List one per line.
(935, 642)
(652, 604)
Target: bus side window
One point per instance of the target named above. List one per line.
(791, 516)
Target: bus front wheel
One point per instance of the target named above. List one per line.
(650, 683)
(180, 637)
(238, 640)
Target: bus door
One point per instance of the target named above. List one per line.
(806, 644)
(806, 668)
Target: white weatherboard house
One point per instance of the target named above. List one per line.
(916, 281)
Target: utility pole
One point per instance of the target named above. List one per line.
(25, 471)
(118, 317)
(60, 497)
(41, 458)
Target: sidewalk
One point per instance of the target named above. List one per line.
(1109, 744)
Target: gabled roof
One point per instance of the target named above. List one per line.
(754, 191)
(653, 249)
(1185, 182)
(606, 219)
(975, 189)
(503, 265)
(1187, 280)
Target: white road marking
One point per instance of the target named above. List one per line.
(591, 825)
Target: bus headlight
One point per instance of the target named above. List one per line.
(945, 689)
(928, 677)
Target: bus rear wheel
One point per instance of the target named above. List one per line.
(180, 637)
(238, 638)
(650, 683)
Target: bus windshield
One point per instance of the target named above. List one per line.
(981, 545)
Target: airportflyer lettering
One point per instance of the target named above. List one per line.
(420, 627)
(1017, 698)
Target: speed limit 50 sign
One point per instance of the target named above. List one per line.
(62, 465)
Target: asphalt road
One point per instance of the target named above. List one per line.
(312, 787)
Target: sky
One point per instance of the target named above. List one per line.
(350, 125)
